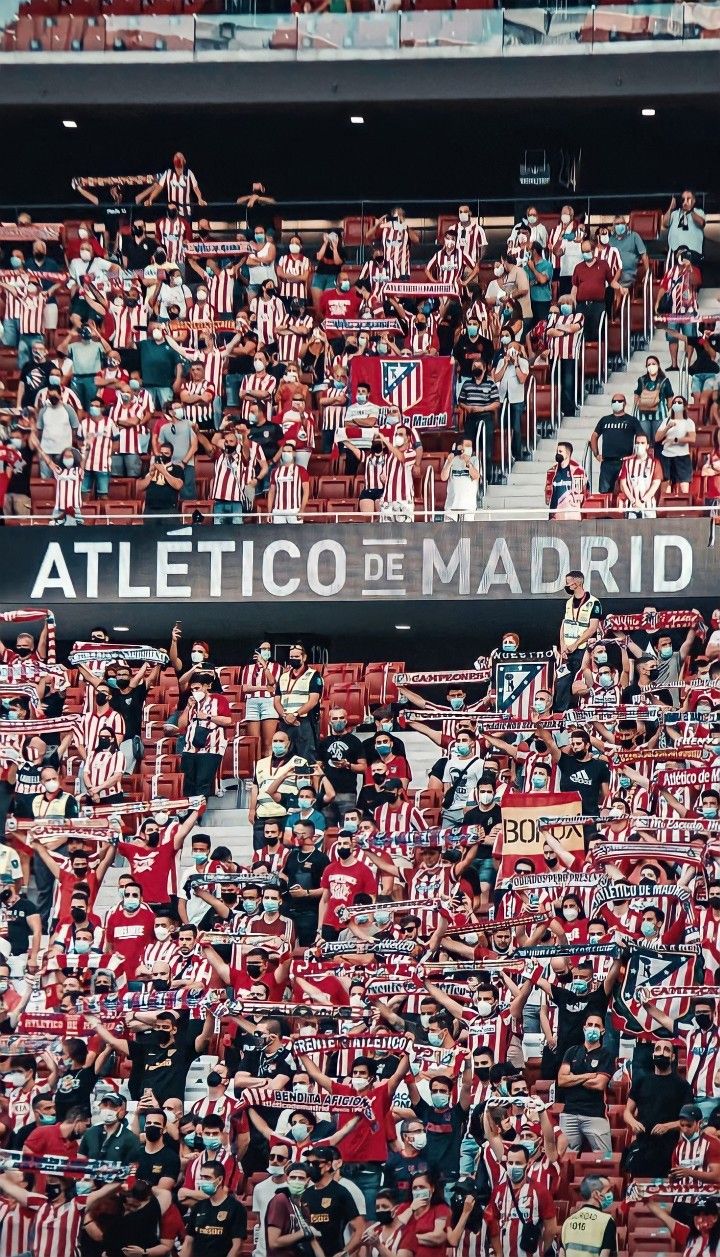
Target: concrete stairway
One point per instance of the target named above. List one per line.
(526, 486)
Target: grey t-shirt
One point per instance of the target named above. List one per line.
(178, 434)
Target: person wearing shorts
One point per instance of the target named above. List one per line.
(258, 681)
(675, 437)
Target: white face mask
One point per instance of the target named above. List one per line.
(198, 695)
(258, 364)
(197, 656)
(295, 249)
(161, 933)
(202, 294)
(157, 334)
(359, 1084)
(570, 914)
(484, 1007)
(86, 255)
(399, 439)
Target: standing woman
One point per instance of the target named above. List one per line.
(258, 681)
(293, 272)
(398, 499)
(653, 393)
(383, 1238)
(676, 436)
(425, 1220)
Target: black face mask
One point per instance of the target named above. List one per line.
(231, 900)
(161, 984)
(272, 841)
(378, 777)
(254, 971)
(6, 894)
(714, 901)
(482, 1072)
(53, 1190)
(213, 1079)
(704, 1020)
(343, 853)
(104, 744)
(569, 591)
(314, 1172)
(559, 460)
(384, 1216)
(102, 699)
(153, 1132)
(78, 915)
(662, 1063)
(163, 1038)
(23, 651)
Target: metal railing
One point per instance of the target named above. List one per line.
(531, 413)
(580, 371)
(648, 307)
(587, 30)
(624, 318)
(505, 428)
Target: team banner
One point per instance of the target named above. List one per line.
(30, 231)
(56, 277)
(397, 907)
(418, 288)
(522, 838)
(195, 803)
(109, 652)
(618, 892)
(22, 729)
(655, 620)
(220, 248)
(53, 1025)
(66, 1167)
(471, 676)
(362, 325)
(666, 967)
(378, 946)
(608, 852)
(26, 616)
(517, 682)
(386, 988)
(437, 836)
(650, 994)
(422, 388)
(571, 949)
(674, 779)
(255, 1097)
(234, 879)
(201, 325)
(114, 181)
(538, 881)
(306, 1045)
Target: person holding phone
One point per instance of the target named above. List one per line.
(461, 473)
(258, 681)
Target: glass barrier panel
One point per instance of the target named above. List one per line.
(633, 23)
(334, 32)
(149, 34)
(237, 33)
(701, 21)
(547, 30)
(480, 30)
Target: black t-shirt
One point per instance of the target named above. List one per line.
(163, 1069)
(468, 351)
(586, 777)
(304, 870)
(485, 819)
(130, 705)
(369, 799)
(618, 433)
(152, 1166)
(329, 1209)
(75, 1087)
(35, 376)
(580, 1100)
(18, 930)
(162, 499)
(341, 746)
(139, 1228)
(20, 479)
(267, 435)
(660, 1097)
(573, 1010)
(214, 1227)
(138, 250)
(633, 694)
(445, 1129)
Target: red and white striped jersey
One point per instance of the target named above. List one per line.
(223, 1107)
(19, 1104)
(395, 243)
(639, 473)
(173, 234)
(375, 273)
(214, 364)
(220, 291)
(199, 412)
(15, 1225)
(226, 1159)
(689, 1156)
(67, 398)
(231, 474)
(290, 344)
(608, 253)
(259, 382)
(299, 427)
(15, 298)
(680, 282)
(128, 322)
(212, 705)
(423, 339)
(199, 312)
(529, 760)
(57, 1231)
(179, 187)
(703, 1059)
(193, 970)
(564, 346)
(254, 677)
(374, 466)
(399, 821)
(447, 265)
(333, 416)
(100, 766)
(289, 481)
(471, 239)
(399, 485)
(485, 317)
(294, 283)
(534, 1204)
(68, 496)
(267, 314)
(92, 723)
(32, 310)
(139, 408)
(99, 432)
(600, 697)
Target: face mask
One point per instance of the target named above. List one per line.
(704, 1020)
(259, 237)
(82, 946)
(197, 656)
(211, 1141)
(161, 932)
(607, 1201)
(484, 1007)
(278, 749)
(299, 1132)
(617, 407)
(579, 986)
(678, 408)
(606, 681)
(647, 929)
(270, 906)
(438, 1099)
(565, 308)
(383, 749)
(53, 1191)
(249, 906)
(485, 798)
(498, 270)
(51, 785)
(505, 340)
(473, 329)
(344, 853)
(418, 1141)
(265, 654)
(108, 1117)
(456, 703)
(516, 1173)
(463, 750)
(130, 904)
(254, 970)
(68, 463)
(296, 1189)
(571, 914)
(593, 1035)
(209, 1189)
(359, 1084)
(665, 652)
(198, 695)
(624, 782)
(157, 334)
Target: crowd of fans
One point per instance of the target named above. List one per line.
(153, 364)
(469, 1010)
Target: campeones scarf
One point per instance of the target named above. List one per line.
(108, 652)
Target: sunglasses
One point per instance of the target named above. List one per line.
(278, 1160)
(408, 929)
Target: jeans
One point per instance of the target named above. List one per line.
(10, 333)
(45, 472)
(593, 311)
(227, 512)
(100, 480)
(84, 386)
(366, 1176)
(303, 737)
(126, 465)
(468, 1156)
(609, 472)
(567, 386)
(160, 396)
(596, 1130)
(517, 410)
(189, 489)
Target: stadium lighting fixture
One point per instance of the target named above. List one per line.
(70, 124)
(648, 113)
(403, 628)
(121, 628)
(357, 119)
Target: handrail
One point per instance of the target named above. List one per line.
(481, 456)
(588, 465)
(684, 379)
(580, 370)
(555, 396)
(625, 327)
(505, 440)
(531, 412)
(429, 491)
(648, 308)
(602, 350)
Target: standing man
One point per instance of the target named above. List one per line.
(583, 613)
(618, 431)
(632, 250)
(685, 226)
(297, 703)
(590, 280)
(218, 1223)
(584, 1076)
(591, 1231)
(342, 757)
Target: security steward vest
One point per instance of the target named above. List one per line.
(583, 1232)
(576, 620)
(294, 691)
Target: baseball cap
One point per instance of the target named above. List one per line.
(393, 783)
(113, 1099)
(691, 1113)
(323, 1152)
